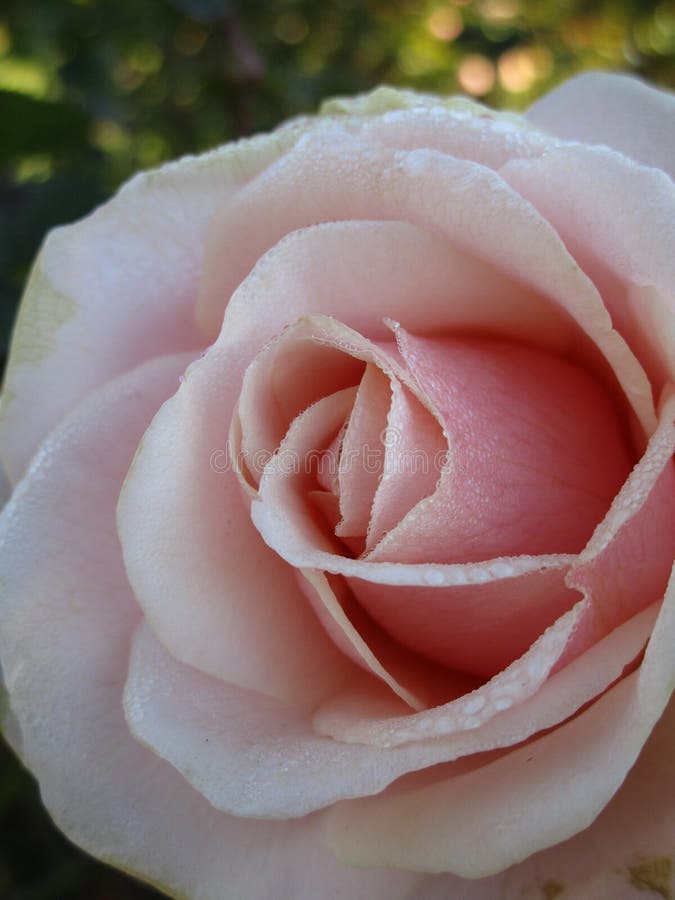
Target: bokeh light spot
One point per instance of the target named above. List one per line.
(499, 10)
(445, 23)
(521, 67)
(476, 74)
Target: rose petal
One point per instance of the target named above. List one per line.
(480, 822)
(627, 562)
(603, 207)
(184, 512)
(248, 754)
(67, 614)
(288, 478)
(287, 376)
(411, 121)
(620, 111)
(481, 629)
(191, 429)
(536, 453)
(253, 756)
(346, 178)
(483, 592)
(478, 629)
(491, 140)
(117, 288)
(389, 262)
(519, 702)
(628, 850)
(362, 457)
(247, 623)
(415, 452)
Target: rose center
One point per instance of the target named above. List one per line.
(435, 450)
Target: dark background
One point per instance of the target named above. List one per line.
(93, 90)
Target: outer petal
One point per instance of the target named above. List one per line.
(626, 564)
(254, 756)
(120, 286)
(346, 178)
(389, 261)
(65, 627)
(618, 221)
(452, 125)
(215, 595)
(628, 853)
(622, 112)
(458, 127)
(388, 99)
(479, 823)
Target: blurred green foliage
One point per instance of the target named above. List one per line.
(91, 91)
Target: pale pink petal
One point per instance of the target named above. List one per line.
(345, 178)
(389, 262)
(246, 753)
(253, 756)
(464, 128)
(415, 452)
(468, 624)
(617, 110)
(285, 484)
(362, 456)
(216, 596)
(105, 790)
(464, 131)
(627, 562)
(480, 822)
(187, 515)
(418, 682)
(617, 220)
(536, 453)
(628, 852)
(290, 475)
(478, 629)
(477, 599)
(315, 357)
(477, 135)
(521, 701)
(117, 288)
(287, 376)
(536, 456)
(67, 616)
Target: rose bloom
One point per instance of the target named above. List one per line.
(337, 560)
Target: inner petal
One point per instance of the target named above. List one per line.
(537, 453)
(289, 483)
(286, 377)
(415, 449)
(362, 456)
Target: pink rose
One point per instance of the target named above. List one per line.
(374, 603)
